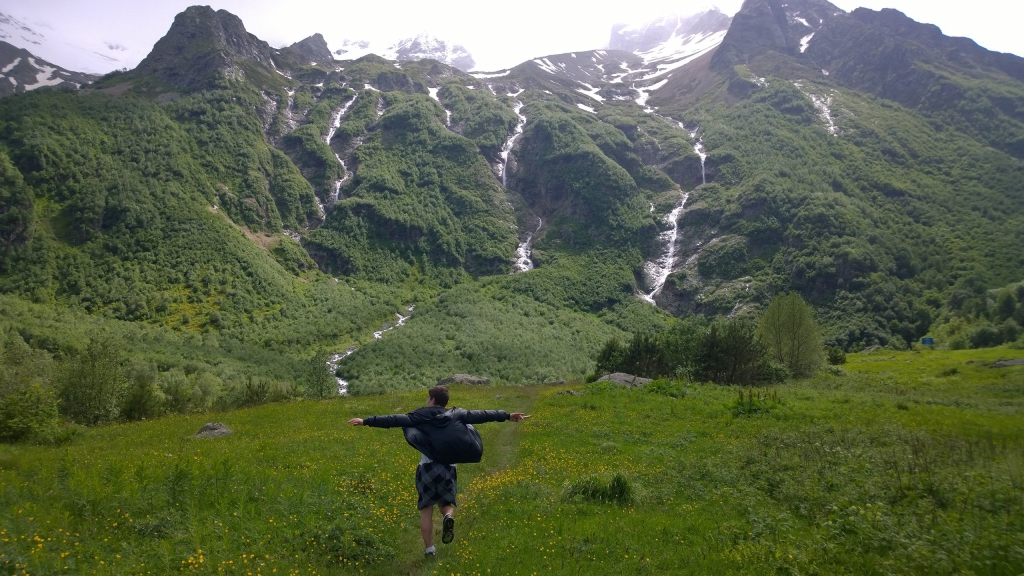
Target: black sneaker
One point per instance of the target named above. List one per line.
(429, 555)
(448, 529)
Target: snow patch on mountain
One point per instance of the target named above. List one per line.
(590, 91)
(805, 42)
(482, 75)
(77, 49)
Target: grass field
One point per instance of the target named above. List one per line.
(908, 463)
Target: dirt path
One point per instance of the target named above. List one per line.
(501, 441)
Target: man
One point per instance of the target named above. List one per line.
(443, 437)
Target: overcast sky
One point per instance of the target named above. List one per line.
(498, 34)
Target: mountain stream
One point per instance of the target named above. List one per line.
(524, 251)
(517, 106)
(698, 148)
(334, 360)
(335, 124)
(659, 270)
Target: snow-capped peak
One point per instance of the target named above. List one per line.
(670, 42)
(422, 46)
(426, 45)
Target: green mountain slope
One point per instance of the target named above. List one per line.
(213, 189)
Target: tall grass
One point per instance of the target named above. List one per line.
(834, 477)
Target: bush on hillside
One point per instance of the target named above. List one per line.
(835, 356)
(92, 386)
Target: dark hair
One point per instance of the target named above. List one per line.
(440, 395)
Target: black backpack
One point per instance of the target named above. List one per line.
(456, 443)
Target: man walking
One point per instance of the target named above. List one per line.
(443, 436)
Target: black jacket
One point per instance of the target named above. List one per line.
(444, 435)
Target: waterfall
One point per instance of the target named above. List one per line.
(448, 113)
(659, 270)
(334, 360)
(524, 251)
(517, 106)
(289, 119)
(698, 148)
(335, 124)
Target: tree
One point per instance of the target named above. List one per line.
(17, 207)
(792, 335)
(319, 381)
(730, 353)
(92, 386)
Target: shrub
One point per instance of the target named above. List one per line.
(28, 412)
(755, 402)
(835, 356)
(729, 353)
(596, 488)
(92, 386)
(670, 388)
(985, 337)
(144, 399)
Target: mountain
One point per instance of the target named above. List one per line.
(203, 46)
(353, 49)
(20, 71)
(307, 51)
(284, 199)
(425, 46)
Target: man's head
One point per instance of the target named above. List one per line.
(438, 396)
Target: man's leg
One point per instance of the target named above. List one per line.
(448, 524)
(427, 525)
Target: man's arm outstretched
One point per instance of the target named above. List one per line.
(389, 421)
(481, 416)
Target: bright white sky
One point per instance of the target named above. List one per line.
(498, 34)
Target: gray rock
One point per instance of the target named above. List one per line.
(571, 393)
(627, 380)
(212, 430)
(464, 379)
(1008, 363)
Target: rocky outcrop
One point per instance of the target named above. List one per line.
(203, 45)
(212, 430)
(464, 379)
(312, 50)
(771, 26)
(627, 380)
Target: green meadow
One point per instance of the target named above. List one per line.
(899, 463)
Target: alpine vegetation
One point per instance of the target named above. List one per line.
(758, 278)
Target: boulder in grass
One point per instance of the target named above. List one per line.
(1008, 363)
(627, 380)
(212, 430)
(464, 379)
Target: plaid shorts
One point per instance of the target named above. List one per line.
(436, 484)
